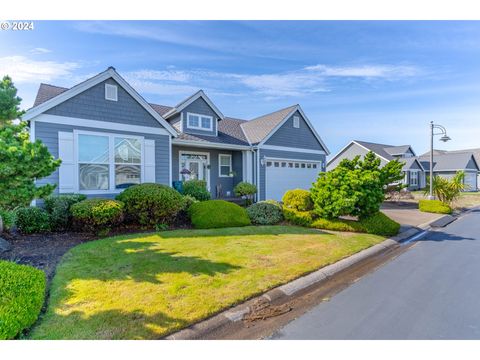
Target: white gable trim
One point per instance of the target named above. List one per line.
(77, 122)
(191, 99)
(299, 109)
(79, 88)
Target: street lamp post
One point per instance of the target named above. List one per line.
(444, 138)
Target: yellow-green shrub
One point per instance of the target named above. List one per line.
(97, 214)
(434, 206)
(22, 292)
(298, 199)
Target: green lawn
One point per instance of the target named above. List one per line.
(466, 199)
(145, 286)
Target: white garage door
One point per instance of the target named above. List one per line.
(283, 175)
(471, 181)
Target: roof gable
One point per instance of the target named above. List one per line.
(79, 88)
(183, 104)
(449, 161)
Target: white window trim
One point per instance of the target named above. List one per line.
(199, 127)
(111, 163)
(417, 177)
(219, 165)
(184, 152)
(296, 122)
(110, 86)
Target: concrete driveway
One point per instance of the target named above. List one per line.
(407, 214)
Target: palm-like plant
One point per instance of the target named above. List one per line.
(447, 191)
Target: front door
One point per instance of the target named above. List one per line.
(196, 169)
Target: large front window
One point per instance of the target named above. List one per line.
(108, 162)
(414, 178)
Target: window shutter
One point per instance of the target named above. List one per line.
(66, 172)
(149, 165)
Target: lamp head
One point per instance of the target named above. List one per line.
(445, 138)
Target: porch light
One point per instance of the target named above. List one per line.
(185, 172)
(263, 160)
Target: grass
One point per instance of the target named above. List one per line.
(466, 199)
(145, 286)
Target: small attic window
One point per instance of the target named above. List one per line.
(296, 122)
(111, 92)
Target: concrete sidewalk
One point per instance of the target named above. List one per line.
(407, 213)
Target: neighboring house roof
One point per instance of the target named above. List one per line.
(62, 96)
(409, 163)
(259, 128)
(450, 161)
(475, 152)
(384, 151)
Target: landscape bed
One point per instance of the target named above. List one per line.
(146, 286)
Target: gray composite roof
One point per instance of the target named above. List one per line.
(257, 129)
(447, 161)
(384, 150)
(230, 130)
(475, 152)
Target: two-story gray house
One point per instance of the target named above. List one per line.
(109, 137)
(412, 168)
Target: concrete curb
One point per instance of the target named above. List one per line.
(283, 292)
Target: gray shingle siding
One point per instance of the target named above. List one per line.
(284, 155)
(201, 107)
(289, 136)
(227, 183)
(91, 104)
(48, 133)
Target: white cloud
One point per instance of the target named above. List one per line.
(25, 70)
(365, 71)
(39, 51)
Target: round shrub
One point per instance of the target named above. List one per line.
(298, 199)
(32, 220)
(301, 218)
(22, 292)
(265, 213)
(188, 201)
(245, 189)
(196, 189)
(58, 207)
(151, 204)
(97, 214)
(217, 214)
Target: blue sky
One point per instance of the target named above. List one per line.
(375, 81)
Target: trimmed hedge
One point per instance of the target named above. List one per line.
(22, 292)
(377, 224)
(97, 214)
(301, 218)
(265, 213)
(434, 206)
(196, 189)
(217, 214)
(33, 220)
(58, 207)
(298, 199)
(151, 204)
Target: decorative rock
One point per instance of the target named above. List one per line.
(4, 245)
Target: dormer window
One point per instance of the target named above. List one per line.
(199, 122)
(111, 92)
(296, 122)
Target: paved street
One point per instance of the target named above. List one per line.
(431, 291)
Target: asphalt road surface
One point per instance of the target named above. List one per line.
(432, 291)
